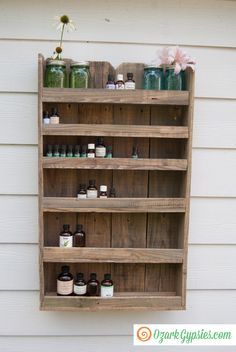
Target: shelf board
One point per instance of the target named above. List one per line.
(120, 301)
(137, 96)
(115, 130)
(114, 205)
(112, 255)
(114, 164)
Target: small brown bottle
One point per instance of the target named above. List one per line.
(65, 282)
(93, 285)
(56, 151)
(103, 191)
(112, 193)
(92, 191)
(130, 83)
(77, 151)
(120, 82)
(49, 151)
(82, 193)
(110, 82)
(80, 285)
(79, 236)
(63, 151)
(107, 286)
(135, 152)
(66, 237)
(69, 153)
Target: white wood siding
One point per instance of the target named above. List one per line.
(117, 31)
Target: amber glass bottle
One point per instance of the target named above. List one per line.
(93, 285)
(79, 236)
(65, 282)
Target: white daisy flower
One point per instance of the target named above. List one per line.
(64, 22)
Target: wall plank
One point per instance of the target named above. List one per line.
(214, 307)
(108, 16)
(215, 270)
(20, 71)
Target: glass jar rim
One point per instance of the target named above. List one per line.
(79, 63)
(147, 66)
(52, 62)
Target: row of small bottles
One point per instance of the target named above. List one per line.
(67, 286)
(119, 83)
(91, 191)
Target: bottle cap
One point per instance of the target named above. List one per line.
(103, 188)
(54, 112)
(65, 268)
(79, 276)
(79, 227)
(130, 75)
(107, 276)
(66, 227)
(79, 63)
(120, 77)
(93, 276)
(91, 146)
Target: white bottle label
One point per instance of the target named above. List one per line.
(107, 291)
(54, 119)
(110, 86)
(64, 287)
(120, 86)
(80, 290)
(91, 155)
(66, 241)
(92, 193)
(129, 85)
(100, 152)
(102, 197)
(81, 196)
(46, 121)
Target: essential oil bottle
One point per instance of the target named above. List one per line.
(91, 150)
(93, 285)
(109, 152)
(63, 151)
(120, 82)
(103, 191)
(80, 285)
(130, 83)
(49, 151)
(112, 193)
(92, 191)
(84, 151)
(135, 152)
(65, 282)
(110, 82)
(107, 286)
(77, 151)
(79, 236)
(100, 150)
(66, 237)
(82, 193)
(69, 153)
(54, 118)
(56, 151)
(46, 118)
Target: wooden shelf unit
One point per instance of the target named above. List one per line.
(140, 237)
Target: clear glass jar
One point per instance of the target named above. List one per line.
(173, 81)
(55, 74)
(153, 77)
(79, 74)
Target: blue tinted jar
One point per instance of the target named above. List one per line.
(153, 78)
(173, 81)
(55, 74)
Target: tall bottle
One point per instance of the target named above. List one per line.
(100, 150)
(107, 286)
(66, 237)
(65, 282)
(54, 118)
(92, 191)
(93, 285)
(79, 236)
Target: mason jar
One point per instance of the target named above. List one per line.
(173, 81)
(153, 77)
(79, 74)
(55, 74)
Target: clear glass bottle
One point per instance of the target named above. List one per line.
(55, 74)
(100, 150)
(69, 153)
(130, 83)
(79, 74)
(82, 193)
(109, 152)
(173, 81)
(91, 150)
(92, 191)
(63, 151)
(110, 82)
(77, 151)
(66, 237)
(65, 282)
(153, 78)
(49, 151)
(79, 236)
(54, 118)
(120, 82)
(103, 191)
(56, 151)
(107, 286)
(93, 285)
(80, 285)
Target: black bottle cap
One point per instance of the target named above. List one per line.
(79, 276)
(66, 227)
(82, 186)
(107, 276)
(65, 268)
(54, 112)
(130, 75)
(110, 78)
(93, 276)
(79, 227)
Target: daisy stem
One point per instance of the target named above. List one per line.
(62, 32)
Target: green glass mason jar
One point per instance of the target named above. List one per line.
(79, 74)
(153, 78)
(55, 74)
(173, 81)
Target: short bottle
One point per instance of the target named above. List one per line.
(54, 118)
(120, 82)
(66, 237)
(84, 151)
(46, 118)
(56, 151)
(112, 193)
(69, 153)
(65, 282)
(91, 150)
(93, 285)
(110, 82)
(63, 151)
(77, 151)
(82, 193)
(49, 151)
(80, 285)
(103, 191)
(107, 286)
(79, 236)
(109, 152)
(100, 150)
(130, 83)
(92, 191)
(135, 152)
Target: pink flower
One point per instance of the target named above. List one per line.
(177, 57)
(164, 56)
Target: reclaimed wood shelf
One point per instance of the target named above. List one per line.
(141, 236)
(114, 163)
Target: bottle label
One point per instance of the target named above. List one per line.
(64, 287)
(66, 241)
(120, 86)
(102, 197)
(107, 291)
(46, 121)
(80, 290)
(82, 196)
(92, 193)
(100, 152)
(129, 85)
(91, 155)
(54, 119)
(110, 86)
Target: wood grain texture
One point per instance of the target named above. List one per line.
(110, 205)
(112, 255)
